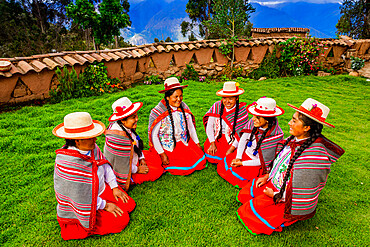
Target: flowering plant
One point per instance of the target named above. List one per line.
(300, 55)
(153, 79)
(357, 63)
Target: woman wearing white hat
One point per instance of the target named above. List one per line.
(223, 122)
(290, 191)
(257, 145)
(89, 199)
(124, 148)
(172, 135)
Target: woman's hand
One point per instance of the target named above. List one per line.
(164, 158)
(212, 149)
(113, 208)
(231, 150)
(262, 180)
(119, 194)
(236, 163)
(143, 167)
(268, 192)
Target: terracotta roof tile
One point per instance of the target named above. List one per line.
(60, 61)
(211, 44)
(50, 63)
(169, 47)
(127, 54)
(105, 56)
(38, 65)
(152, 48)
(183, 47)
(160, 48)
(14, 70)
(198, 45)
(141, 52)
(147, 50)
(89, 58)
(191, 46)
(70, 60)
(80, 58)
(177, 47)
(97, 57)
(24, 66)
(120, 54)
(114, 56)
(130, 53)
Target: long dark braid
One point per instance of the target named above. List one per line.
(186, 123)
(315, 132)
(271, 123)
(69, 143)
(232, 136)
(221, 112)
(168, 94)
(138, 150)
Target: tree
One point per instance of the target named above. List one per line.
(106, 24)
(198, 11)
(355, 19)
(230, 20)
(168, 39)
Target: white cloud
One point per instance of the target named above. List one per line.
(273, 2)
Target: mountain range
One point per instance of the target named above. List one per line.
(161, 19)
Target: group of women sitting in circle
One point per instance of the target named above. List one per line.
(280, 180)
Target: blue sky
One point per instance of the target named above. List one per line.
(269, 1)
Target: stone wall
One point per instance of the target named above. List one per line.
(31, 78)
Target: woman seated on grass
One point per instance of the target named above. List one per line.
(290, 191)
(89, 199)
(124, 148)
(172, 133)
(224, 121)
(257, 145)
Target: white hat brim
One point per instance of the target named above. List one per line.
(115, 117)
(312, 117)
(222, 94)
(98, 129)
(279, 111)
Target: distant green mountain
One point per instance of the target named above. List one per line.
(161, 19)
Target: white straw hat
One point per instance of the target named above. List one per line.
(314, 110)
(79, 125)
(231, 88)
(123, 107)
(171, 83)
(265, 107)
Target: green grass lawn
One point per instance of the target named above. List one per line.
(199, 209)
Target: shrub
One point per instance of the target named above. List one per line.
(269, 67)
(69, 85)
(357, 63)
(232, 72)
(189, 73)
(153, 79)
(300, 55)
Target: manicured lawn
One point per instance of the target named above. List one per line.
(196, 210)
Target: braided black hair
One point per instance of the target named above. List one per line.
(315, 132)
(138, 150)
(69, 143)
(271, 122)
(168, 94)
(232, 135)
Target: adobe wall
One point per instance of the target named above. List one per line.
(31, 78)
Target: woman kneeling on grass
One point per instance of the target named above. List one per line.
(257, 145)
(172, 133)
(290, 191)
(224, 121)
(89, 199)
(124, 148)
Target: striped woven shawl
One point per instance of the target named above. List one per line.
(117, 150)
(158, 113)
(269, 144)
(308, 178)
(76, 185)
(228, 117)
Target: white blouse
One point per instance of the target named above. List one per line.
(255, 160)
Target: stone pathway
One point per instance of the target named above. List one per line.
(365, 71)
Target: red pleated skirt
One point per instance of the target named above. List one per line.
(237, 176)
(155, 170)
(259, 214)
(184, 160)
(222, 147)
(106, 222)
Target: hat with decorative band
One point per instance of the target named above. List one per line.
(231, 88)
(314, 110)
(79, 125)
(123, 107)
(265, 107)
(171, 83)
